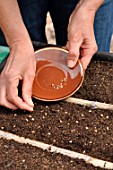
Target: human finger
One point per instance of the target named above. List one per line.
(27, 89)
(12, 96)
(74, 52)
(3, 100)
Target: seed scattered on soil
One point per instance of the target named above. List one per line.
(33, 131)
(27, 120)
(84, 151)
(15, 115)
(76, 121)
(107, 117)
(60, 121)
(30, 116)
(2, 127)
(95, 130)
(45, 114)
(101, 115)
(70, 141)
(107, 128)
(32, 119)
(23, 160)
(87, 128)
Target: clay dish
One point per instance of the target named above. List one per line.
(54, 80)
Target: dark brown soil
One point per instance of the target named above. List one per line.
(66, 125)
(15, 156)
(98, 83)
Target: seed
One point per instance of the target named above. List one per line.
(107, 117)
(84, 151)
(107, 128)
(64, 79)
(57, 87)
(60, 121)
(23, 160)
(32, 119)
(61, 86)
(52, 85)
(95, 130)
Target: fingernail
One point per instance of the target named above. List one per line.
(31, 109)
(71, 63)
(31, 102)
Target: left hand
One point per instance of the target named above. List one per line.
(81, 40)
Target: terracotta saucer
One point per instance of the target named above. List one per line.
(54, 80)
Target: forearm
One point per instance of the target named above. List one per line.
(11, 21)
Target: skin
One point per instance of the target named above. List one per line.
(81, 40)
(21, 64)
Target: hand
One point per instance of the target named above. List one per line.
(81, 40)
(20, 65)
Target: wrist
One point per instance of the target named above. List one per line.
(92, 5)
(15, 33)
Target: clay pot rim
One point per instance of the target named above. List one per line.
(82, 76)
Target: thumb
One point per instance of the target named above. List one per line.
(74, 52)
(27, 91)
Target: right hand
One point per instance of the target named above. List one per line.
(20, 65)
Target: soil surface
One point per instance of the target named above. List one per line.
(20, 157)
(98, 82)
(65, 125)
